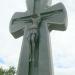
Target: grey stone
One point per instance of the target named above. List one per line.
(34, 25)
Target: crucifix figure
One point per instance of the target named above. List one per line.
(34, 25)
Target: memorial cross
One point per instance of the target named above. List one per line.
(34, 25)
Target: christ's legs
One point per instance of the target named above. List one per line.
(34, 52)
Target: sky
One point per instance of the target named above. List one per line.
(62, 43)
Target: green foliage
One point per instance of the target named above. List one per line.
(10, 71)
(2, 71)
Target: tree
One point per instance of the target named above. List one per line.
(2, 71)
(10, 71)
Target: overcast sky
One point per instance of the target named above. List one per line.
(63, 43)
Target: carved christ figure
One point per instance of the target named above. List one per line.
(33, 38)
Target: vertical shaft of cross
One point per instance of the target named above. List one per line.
(36, 7)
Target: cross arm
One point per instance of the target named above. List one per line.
(56, 17)
(18, 22)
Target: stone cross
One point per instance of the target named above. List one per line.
(34, 25)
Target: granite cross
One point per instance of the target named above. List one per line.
(34, 25)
